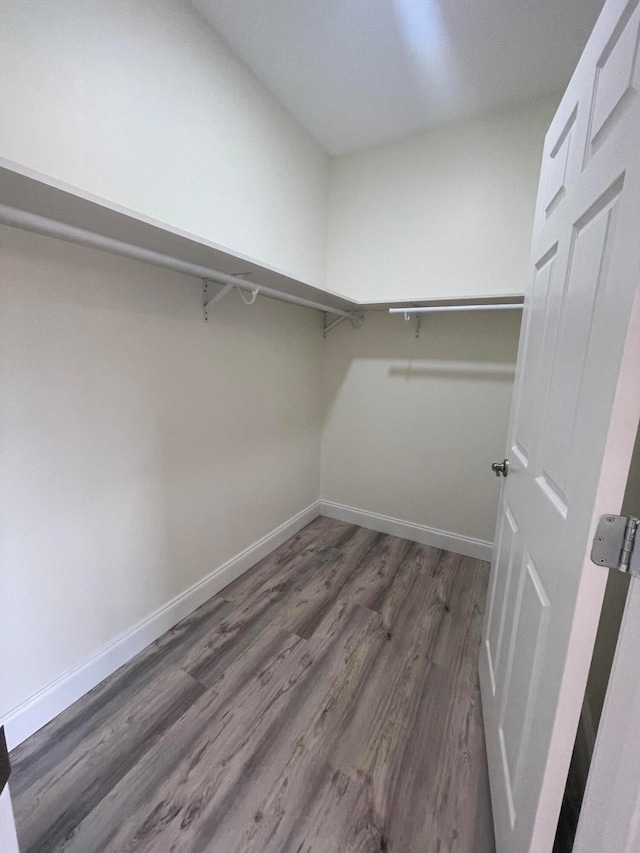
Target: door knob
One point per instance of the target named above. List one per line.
(500, 468)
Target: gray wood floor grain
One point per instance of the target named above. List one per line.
(327, 702)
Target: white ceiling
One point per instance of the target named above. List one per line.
(358, 73)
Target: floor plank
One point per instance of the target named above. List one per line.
(320, 534)
(325, 701)
(202, 779)
(261, 605)
(60, 800)
(312, 801)
(309, 602)
(95, 711)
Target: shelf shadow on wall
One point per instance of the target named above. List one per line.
(456, 370)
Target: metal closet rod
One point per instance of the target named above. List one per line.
(70, 233)
(429, 308)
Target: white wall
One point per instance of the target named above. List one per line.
(141, 447)
(139, 102)
(411, 426)
(445, 213)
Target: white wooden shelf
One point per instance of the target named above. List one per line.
(41, 204)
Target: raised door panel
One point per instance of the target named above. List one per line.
(503, 580)
(537, 329)
(588, 263)
(616, 79)
(527, 654)
(557, 166)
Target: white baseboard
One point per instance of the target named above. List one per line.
(476, 548)
(31, 715)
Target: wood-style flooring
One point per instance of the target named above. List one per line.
(326, 701)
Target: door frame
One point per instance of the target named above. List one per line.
(610, 813)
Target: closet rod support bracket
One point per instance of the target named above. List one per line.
(209, 301)
(327, 326)
(415, 321)
(356, 320)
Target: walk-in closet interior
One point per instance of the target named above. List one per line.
(262, 276)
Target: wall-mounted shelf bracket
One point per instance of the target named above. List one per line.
(414, 319)
(356, 320)
(209, 301)
(327, 326)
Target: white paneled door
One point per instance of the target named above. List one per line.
(573, 423)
